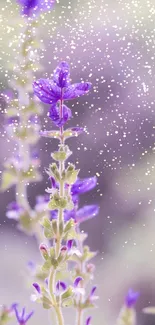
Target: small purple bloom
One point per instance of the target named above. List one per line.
(14, 211)
(131, 298)
(32, 7)
(77, 281)
(83, 185)
(41, 203)
(92, 291)
(69, 244)
(22, 317)
(88, 320)
(69, 214)
(61, 286)
(62, 75)
(54, 115)
(31, 266)
(37, 287)
(53, 214)
(53, 182)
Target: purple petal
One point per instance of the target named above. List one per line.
(75, 199)
(54, 115)
(14, 306)
(47, 91)
(88, 320)
(53, 182)
(53, 214)
(37, 287)
(69, 244)
(32, 7)
(14, 206)
(77, 129)
(131, 298)
(31, 265)
(92, 292)
(61, 285)
(23, 313)
(28, 316)
(69, 215)
(77, 281)
(76, 90)
(42, 199)
(87, 212)
(83, 185)
(61, 75)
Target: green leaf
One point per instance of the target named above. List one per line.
(69, 225)
(68, 302)
(26, 222)
(46, 223)
(47, 304)
(68, 293)
(8, 179)
(48, 233)
(46, 266)
(59, 155)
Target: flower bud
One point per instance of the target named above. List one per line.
(44, 251)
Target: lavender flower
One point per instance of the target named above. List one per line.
(83, 185)
(37, 287)
(14, 211)
(83, 214)
(60, 285)
(32, 7)
(22, 318)
(131, 298)
(59, 89)
(88, 320)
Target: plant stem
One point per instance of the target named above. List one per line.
(82, 270)
(52, 284)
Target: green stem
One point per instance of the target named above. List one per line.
(82, 270)
(52, 282)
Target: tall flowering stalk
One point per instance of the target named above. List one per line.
(22, 119)
(64, 225)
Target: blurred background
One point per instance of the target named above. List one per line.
(111, 44)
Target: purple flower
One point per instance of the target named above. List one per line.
(69, 244)
(54, 115)
(41, 203)
(31, 266)
(32, 7)
(77, 281)
(83, 185)
(37, 287)
(22, 317)
(88, 320)
(83, 214)
(59, 89)
(14, 211)
(131, 298)
(61, 286)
